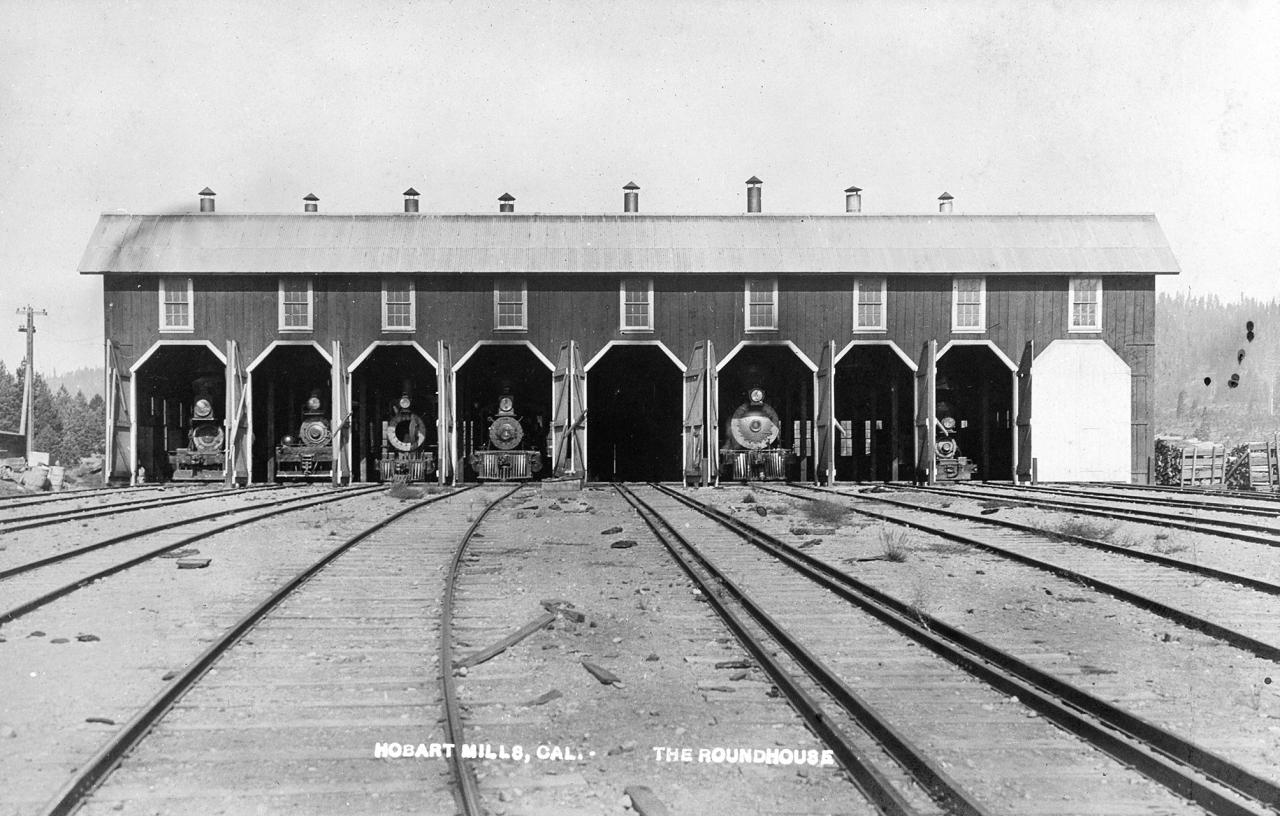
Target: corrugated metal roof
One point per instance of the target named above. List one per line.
(222, 243)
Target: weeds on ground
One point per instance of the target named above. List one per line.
(1168, 547)
(400, 490)
(1085, 528)
(945, 547)
(895, 543)
(920, 599)
(750, 498)
(825, 511)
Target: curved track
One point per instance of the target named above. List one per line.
(1173, 592)
(1193, 520)
(76, 568)
(946, 670)
(13, 524)
(284, 693)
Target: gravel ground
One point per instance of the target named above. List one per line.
(144, 622)
(1187, 682)
(644, 623)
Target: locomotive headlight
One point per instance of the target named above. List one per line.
(949, 423)
(203, 408)
(504, 405)
(313, 404)
(757, 395)
(405, 402)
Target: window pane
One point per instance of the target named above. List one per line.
(761, 315)
(868, 314)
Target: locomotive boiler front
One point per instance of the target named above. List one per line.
(310, 454)
(753, 451)
(951, 465)
(404, 444)
(203, 459)
(508, 456)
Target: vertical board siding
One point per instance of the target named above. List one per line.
(812, 309)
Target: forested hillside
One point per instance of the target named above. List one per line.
(68, 426)
(1217, 367)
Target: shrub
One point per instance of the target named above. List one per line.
(828, 512)
(895, 543)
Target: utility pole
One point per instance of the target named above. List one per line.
(29, 419)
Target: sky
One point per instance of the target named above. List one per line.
(1065, 107)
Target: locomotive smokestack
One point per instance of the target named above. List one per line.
(206, 200)
(411, 200)
(631, 197)
(312, 204)
(944, 202)
(753, 194)
(853, 199)
(506, 203)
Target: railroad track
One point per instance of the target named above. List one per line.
(1252, 495)
(1234, 599)
(293, 708)
(27, 500)
(943, 696)
(1119, 494)
(13, 524)
(43, 580)
(1224, 528)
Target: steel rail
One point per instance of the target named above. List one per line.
(1085, 493)
(71, 495)
(468, 790)
(91, 774)
(1164, 757)
(1223, 529)
(13, 525)
(35, 603)
(1173, 563)
(1255, 495)
(1260, 648)
(715, 586)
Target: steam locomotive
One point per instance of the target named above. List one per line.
(405, 437)
(511, 453)
(309, 455)
(204, 457)
(752, 451)
(950, 466)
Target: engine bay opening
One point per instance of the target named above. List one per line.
(181, 405)
(765, 411)
(292, 415)
(974, 405)
(874, 407)
(394, 408)
(633, 416)
(503, 414)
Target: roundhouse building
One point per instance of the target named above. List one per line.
(627, 340)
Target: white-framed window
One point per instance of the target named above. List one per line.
(295, 304)
(510, 305)
(398, 305)
(1085, 295)
(869, 304)
(760, 298)
(175, 305)
(635, 304)
(969, 305)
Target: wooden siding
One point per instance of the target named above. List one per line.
(811, 310)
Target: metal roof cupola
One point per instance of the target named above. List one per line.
(944, 202)
(310, 203)
(631, 197)
(853, 199)
(753, 194)
(206, 200)
(411, 200)
(506, 203)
